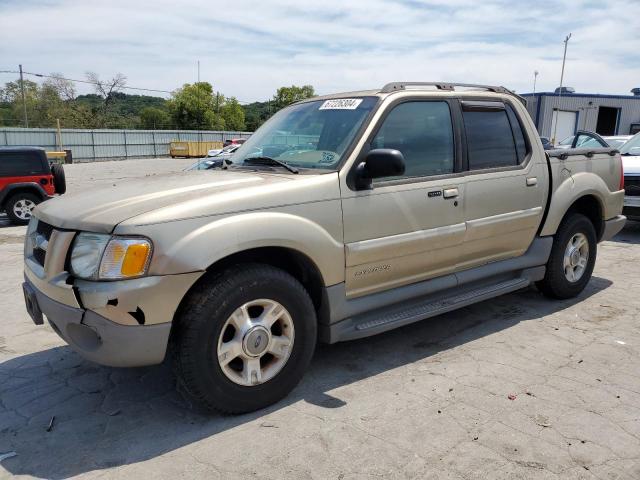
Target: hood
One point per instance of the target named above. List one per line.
(174, 196)
(631, 165)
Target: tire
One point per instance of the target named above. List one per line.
(59, 179)
(556, 283)
(18, 204)
(202, 327)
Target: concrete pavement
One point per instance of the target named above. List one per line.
(516, 387)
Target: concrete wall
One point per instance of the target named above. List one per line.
(95, 145)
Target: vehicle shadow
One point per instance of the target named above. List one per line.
(629, 234)
(107, 417)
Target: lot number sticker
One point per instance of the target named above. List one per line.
(341, 104)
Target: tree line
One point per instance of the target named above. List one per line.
(195, 106)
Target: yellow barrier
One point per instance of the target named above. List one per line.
(57, 157)
(192, 149)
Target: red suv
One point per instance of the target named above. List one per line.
(26, 179)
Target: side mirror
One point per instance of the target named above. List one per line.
(379, 163)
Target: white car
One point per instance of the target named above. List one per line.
(630, 153)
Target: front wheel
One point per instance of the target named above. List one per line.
(20, 206)
(244, 338)
(572, 258)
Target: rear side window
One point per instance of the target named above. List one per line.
(490, 142)
(15, 164)
(423, 132)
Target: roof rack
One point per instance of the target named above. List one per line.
(395, 86)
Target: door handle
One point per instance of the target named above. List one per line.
(450, 192)
(532, 181)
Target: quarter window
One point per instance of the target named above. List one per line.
(20, 164)
(490, 141)
(423, 132)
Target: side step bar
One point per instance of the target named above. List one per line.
(395, 316)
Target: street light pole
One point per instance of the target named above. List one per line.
(24, 102)
(564, 59)
(535, 77)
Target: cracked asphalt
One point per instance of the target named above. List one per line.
(515, 387)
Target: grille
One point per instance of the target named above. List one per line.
(43, 229)
(632, 186)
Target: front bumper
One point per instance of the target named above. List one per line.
(121, 323)
(101, 340)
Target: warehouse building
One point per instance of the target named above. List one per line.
(604, 114)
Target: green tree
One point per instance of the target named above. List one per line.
(233, 114)
(287, 95)
(193, 107)
(153, 118)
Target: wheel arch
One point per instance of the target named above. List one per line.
(583, 193)
(14, 188)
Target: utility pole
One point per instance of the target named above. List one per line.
(564, 59)
(198, 71)
(535, 77)
(24, 101)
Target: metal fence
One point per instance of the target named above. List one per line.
(96, 145)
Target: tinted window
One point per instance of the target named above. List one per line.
(518, 134)
(20, 164)
(489, 139)
(423, 132)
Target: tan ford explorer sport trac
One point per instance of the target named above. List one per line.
(342, 217)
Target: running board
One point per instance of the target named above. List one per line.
(398, 315)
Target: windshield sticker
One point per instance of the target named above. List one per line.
(341, 104)
(327, 157)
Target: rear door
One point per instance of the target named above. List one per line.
(505, 190)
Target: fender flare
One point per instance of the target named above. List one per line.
(10, 189)
(573, 188)
(203, 247)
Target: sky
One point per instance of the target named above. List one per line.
(249, 49)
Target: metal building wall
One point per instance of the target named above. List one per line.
(587, 114)
(93, 145)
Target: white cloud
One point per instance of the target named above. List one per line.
(248, 49)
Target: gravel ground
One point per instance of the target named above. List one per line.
(515, 387)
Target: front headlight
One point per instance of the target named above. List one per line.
(102, 257)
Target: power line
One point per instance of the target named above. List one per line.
(42, 75)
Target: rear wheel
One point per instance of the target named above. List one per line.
(572, 259)
(244, 338)
(19, 207)
(59, 179)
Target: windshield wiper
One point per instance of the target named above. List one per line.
(269, 161)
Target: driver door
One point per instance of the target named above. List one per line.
(408, 228)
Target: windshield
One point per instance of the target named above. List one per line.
(313, 134)
(633, 143)
(567, 141)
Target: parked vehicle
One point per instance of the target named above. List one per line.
(630, 152)
(583, 138)
(342, 217)
(26, 179)
(617, 141)
(234, 141)
(215, 160)
(546, 143)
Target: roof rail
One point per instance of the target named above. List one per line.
(395, 86)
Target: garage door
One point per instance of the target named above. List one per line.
(566, 124)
